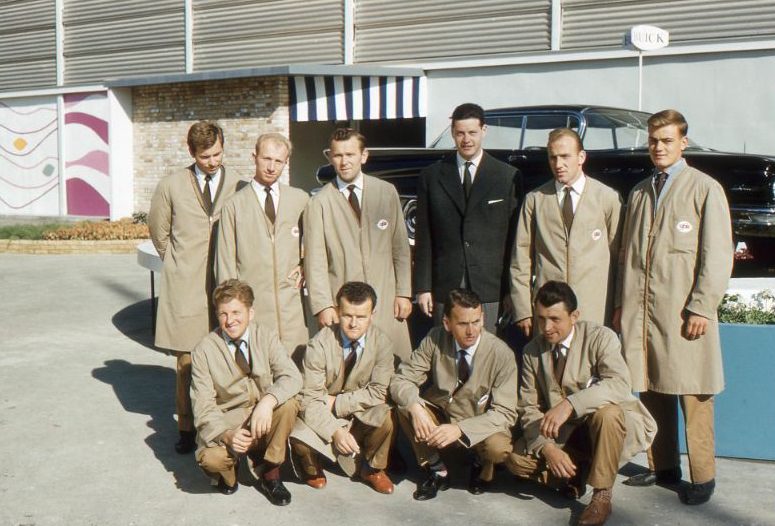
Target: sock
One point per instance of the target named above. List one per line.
(438, 466)
(271, 471)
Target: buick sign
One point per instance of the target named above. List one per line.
(647, 38)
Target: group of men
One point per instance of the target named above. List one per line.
(564, 261)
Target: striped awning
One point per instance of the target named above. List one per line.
(335, 98)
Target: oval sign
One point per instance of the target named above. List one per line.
(647, 38)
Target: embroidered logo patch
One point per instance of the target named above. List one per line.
(684, 227)
(295, 231)
(382, 224)
(597, 234)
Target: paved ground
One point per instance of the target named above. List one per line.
(86, 430)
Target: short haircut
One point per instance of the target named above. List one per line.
(559, 133)
(668, 117)
(554, 292)
(357, 292)
(203, 135)
(233, 289)
(468, 299)
(278, 138)
(345, 134)
(468, 110)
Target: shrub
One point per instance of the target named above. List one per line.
(100, 230)
(759, 310)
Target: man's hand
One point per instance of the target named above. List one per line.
(261, 418)
(298, 274)
(554, 419)
(238, 440)
(526, 326)
(558, 462)
(344, 442)
(616, 320)
(425, 301)
(421, 422)
(694, 326)
(327, 317)
(330, 402)
(402, 308)
(444, 435)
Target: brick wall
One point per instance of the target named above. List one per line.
(162, 114)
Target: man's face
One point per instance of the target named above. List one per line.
(355, 319)
(555, 322)
(666, 146)
(209, 160)
(468, 135)
(234, 317)
(465, 325)
(347, 158)
(565, 160)
(270, 159)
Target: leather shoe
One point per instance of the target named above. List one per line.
(433, 483)
(662, 476)
(275, 491)
(596, 513)
(186, 443)
(317, 481)
(695, 494)
(396, 463)
(378, 480)
(477, 486)
(225, 488)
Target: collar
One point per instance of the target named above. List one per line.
(358, 182)
(475, 161)
(565, 344)
(673, 169)
(470, 351)
(577, 187)
(245, 338)
(200, 175)
(347, 342)
(275, 187)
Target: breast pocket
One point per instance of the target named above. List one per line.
(684, 235)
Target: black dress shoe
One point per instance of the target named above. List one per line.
(695, 494)
(186, 443)
(477, 486)
(428, 488)
(275, 491)
(662, 476)
(225, 488)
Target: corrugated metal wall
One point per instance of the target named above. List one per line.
(418, 29)
(600, 23)
(107, 38)
(27, 44)
(249, 33)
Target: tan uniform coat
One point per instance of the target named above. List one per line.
(675, 260)
(486, 404)
(586, 259)
(183, 234)
(251, 249)
(337, 249)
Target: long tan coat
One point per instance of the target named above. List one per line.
(675, 260)
(337, 249)
(222, 396)
(486, 404)
(183, 234)
(586, 258)
(251, 249)
(363, 395)
(594, 354)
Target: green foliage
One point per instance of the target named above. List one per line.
(140, 218)
(34, 231)
(759, 311)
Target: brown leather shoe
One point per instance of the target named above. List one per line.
(317, 481)
(597, 511)
(378, 480)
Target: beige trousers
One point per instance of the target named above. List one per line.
(183, 391)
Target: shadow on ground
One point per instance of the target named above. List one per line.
(134, 322)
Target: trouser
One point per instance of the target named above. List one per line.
(698, 423)
(222, 461)
(183, 391)
(598, 440)
(491, 451)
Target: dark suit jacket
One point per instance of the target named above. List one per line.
(453, 237)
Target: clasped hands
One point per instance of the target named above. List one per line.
(432, 434)
(241, 439)
(557, 460)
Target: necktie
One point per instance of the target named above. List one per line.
(567, 209)
(659, 182)
(239, 357)
(349, 362)
(463, 369)
(356, 206)
(207, 195)
(559, 363)
(269, 205)
(467, 182)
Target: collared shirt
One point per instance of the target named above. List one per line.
(214, 180)
(672, 171)
(576, 189)
(244, 348)
(258, 188)
(358, 182)
(347, 345)
(469, 353)
(565, 344)
(461, 165)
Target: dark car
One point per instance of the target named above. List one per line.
(616, 143)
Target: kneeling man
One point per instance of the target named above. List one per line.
(469, 395)
(578, 415)
(243, 394)
(344, 414)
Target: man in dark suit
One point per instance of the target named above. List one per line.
(466, 219)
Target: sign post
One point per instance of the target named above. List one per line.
(645, 38)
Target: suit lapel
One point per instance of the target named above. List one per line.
(450, 182)
(482, 181)
(197, 190)
(221, 183)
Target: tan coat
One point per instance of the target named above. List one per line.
(222, 396)
(586, 259)
(676, 260)
(362, 396)
(594, 354)
(486, 404)
(251, 249)
(182, 233)
(337, 249)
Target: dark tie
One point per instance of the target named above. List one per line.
(463, 369)
(467, 182)
(659, 182)
(567, 209)
(356, 206)
(207, 196)
(349, 362)
(559, 362)
(239, 357)
(269, 205)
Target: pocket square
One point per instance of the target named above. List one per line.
(493, 201)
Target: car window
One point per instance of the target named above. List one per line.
(609, 129)
(503, 133)
(537, 128)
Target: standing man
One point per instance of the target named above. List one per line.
(568, 231)
(578, 416)
(468, 379)
(354, 231)
(259, 242)
(466, 219)
(243, 393)
(675, 266)
(345, 415)
(184, 214)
